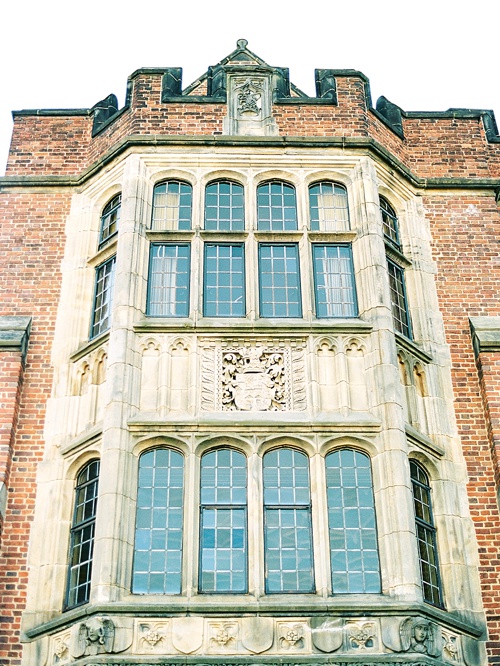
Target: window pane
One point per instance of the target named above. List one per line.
(224, 281)
(351, 518)
(334, 281)
(158, 536)
(109, 220)
(168, 284)
(276, 207)
(389, 222)
(288, 536)
(426, 536)
(172, 206)
(105, 277)
(398, 299)
(223, 528)
(224, 207)
(279, 281)
(82, 536)
(328, 207)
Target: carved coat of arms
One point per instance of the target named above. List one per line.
(253, 380)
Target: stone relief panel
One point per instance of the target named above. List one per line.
(251, 376)
(409, 637)
(413, 377)
(87, 385)
(341, 374)
(249, 97)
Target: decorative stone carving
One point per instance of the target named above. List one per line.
(95, 636)
(152, 637)
(257, 633)
(253, 379)
(187, 634)
(61, 648)
(249, 95)
(419, 635)
(327, 633)
(291, 636)
(361, 635)
(451, 647)
(223, 636)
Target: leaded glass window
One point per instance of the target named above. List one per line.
(109, 220)
(426, 535)
(172, 203)
(351, 520)
(224, 281)
(279, 277)
(82, 536)
(328, 207)
(334, 281)
(103, 298)
(224, 207)
(158, 530)
(223, 522)
(287, 522)
(397, 287)
(168, 284)
(276, 207)
(389, 222)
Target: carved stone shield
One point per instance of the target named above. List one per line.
(327, 633)
(187, 634)
(253, 391)
(257, 633)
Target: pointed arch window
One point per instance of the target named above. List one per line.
(351, 519)
(287, 522)
(426, 535)
(276, 207)
(224, 206)
(159, 522)
(109, 220)
(81, 551)
(223, 522)
(328, 207)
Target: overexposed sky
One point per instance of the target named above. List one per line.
(424, 56)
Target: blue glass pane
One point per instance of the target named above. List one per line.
(351, 516)
(334, 281)
(158, 538)
(224, 281)
(224, 207)
(279, 281)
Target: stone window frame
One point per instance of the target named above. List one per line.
(396, 264)
(251, 237)
(110, 217)
(426, 536)
(320, 546)
(102, 303)
(82, 527)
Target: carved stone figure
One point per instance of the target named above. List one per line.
(417, 635)
(249, 97)
(95, 636)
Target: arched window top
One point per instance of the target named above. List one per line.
(328, 207)
(223, 477)
(390, 222)
(276, 206)
(109, 220)
(224, 206)
(172, 206)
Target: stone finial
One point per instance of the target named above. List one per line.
(242, 43)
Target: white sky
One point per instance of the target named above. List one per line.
(425, 55)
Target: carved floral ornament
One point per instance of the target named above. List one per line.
(249, 96)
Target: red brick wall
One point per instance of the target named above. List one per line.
(32, 240)
(464, 231)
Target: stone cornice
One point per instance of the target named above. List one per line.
(363, 144)
(14, 334)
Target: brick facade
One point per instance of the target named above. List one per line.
(450, 161)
